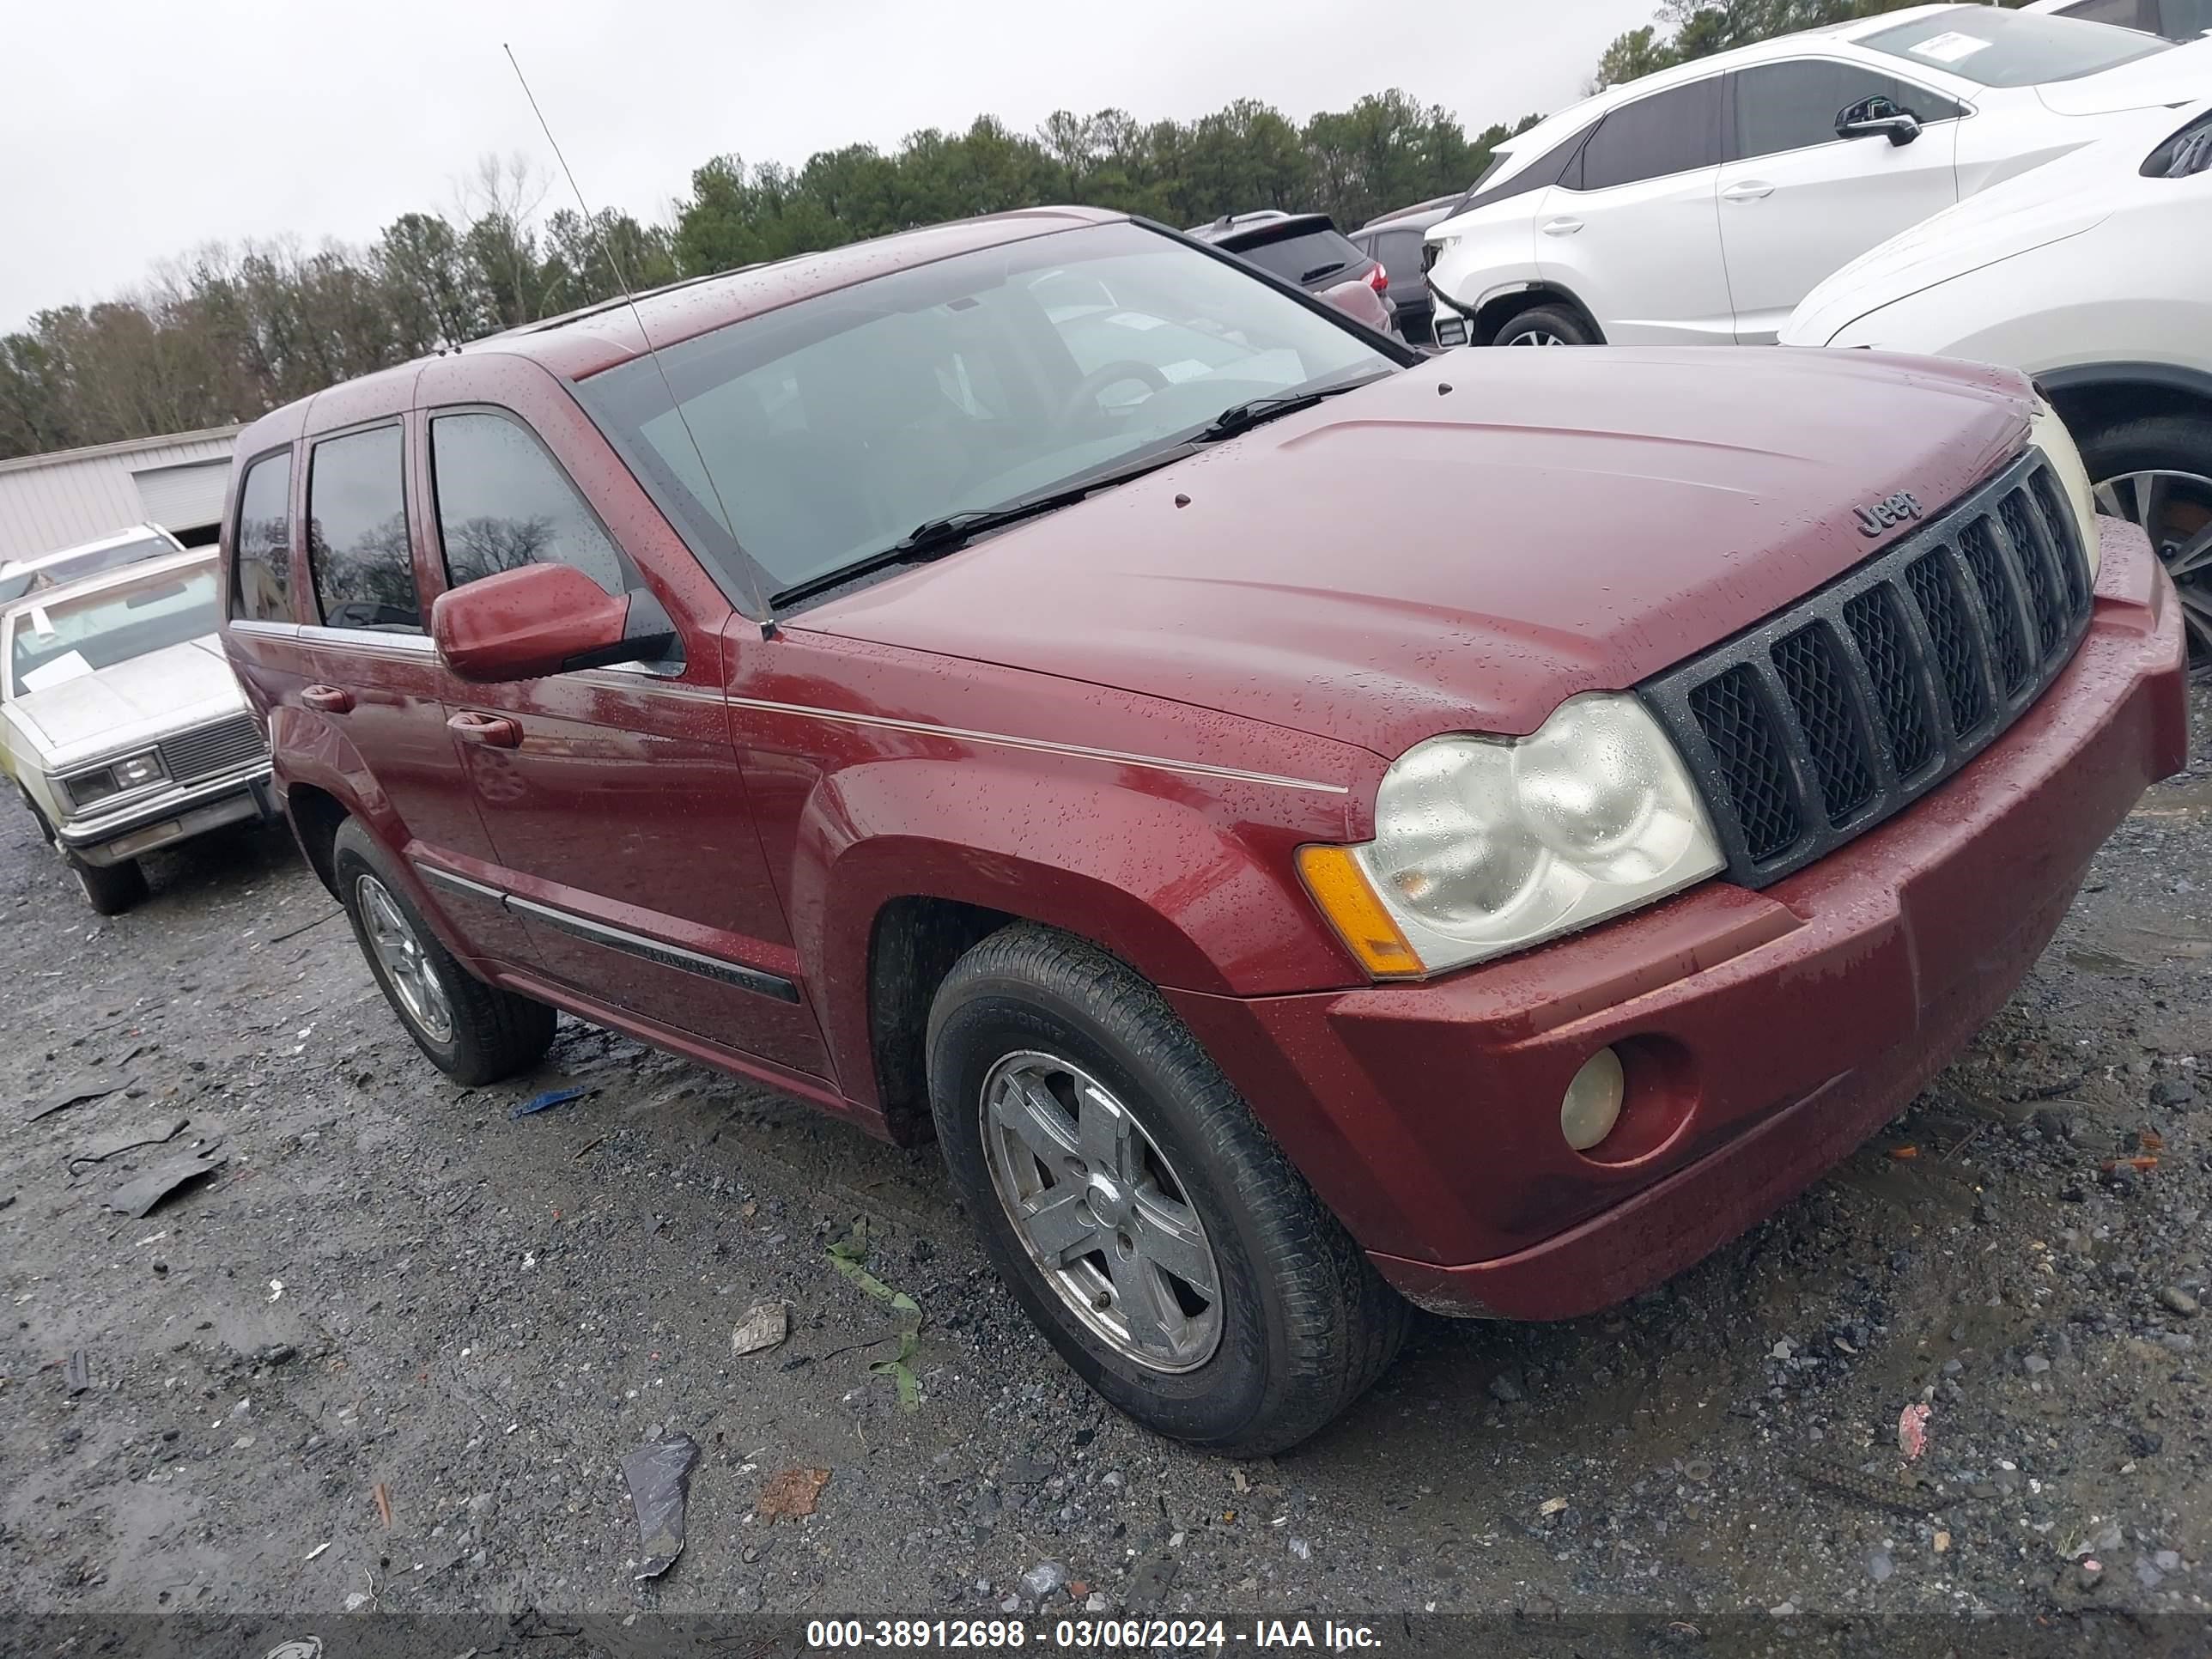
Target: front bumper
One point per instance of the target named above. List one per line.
(176, 815)
(1765, 1034)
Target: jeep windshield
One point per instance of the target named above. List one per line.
(84, 633)
(823, 434)
(2000, 48)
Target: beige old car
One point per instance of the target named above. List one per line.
(121, 722)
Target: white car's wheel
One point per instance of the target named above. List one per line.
(2156, 472)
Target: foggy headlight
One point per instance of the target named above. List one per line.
(1484, 845)
(2048, 434)
(133, 771)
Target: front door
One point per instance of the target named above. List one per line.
(613, 796)
(1797, 202)
(1631, 229)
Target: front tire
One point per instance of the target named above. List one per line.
(1144, 1220)
(1546, 325)
(109, 889)
(473, 1032)
(2156, 471)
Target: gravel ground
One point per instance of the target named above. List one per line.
(392, 1352)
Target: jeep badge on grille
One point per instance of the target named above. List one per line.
(1873, 521)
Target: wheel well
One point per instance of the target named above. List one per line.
(1493, 314)
(2086, 407)
(316, 817)
(912, 948)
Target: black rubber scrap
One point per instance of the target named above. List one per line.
(1865, 1488)
(86, 1085)
(136, 1198)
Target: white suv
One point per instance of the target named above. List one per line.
(1699, 205)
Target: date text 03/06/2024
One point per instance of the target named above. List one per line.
(1105, 1635)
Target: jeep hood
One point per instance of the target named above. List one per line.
(2177, 76)
(129, 704)
(1463, 545)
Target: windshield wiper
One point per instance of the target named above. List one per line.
(934, 538)
(1243, 418)
(1319, 272)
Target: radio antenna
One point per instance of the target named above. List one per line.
(622, 281)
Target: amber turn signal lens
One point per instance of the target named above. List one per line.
(1340, 888)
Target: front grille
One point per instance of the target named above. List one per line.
(1827, 717)
(220, 746)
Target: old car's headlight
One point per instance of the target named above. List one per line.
(2048, 434)
(1484, 845)
(97, 783)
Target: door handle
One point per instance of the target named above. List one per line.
(1751, 190)
(1562, 227)
(327, 699)
(493, 731)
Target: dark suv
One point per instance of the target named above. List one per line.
(970, 681)
(1308, 249)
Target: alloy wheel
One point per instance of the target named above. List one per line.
(1535, 336)
(2175, 510)
(1100, 1212)
(406, 965)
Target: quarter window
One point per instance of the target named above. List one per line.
(2123, 14)
(1794, 105)
(503, 502)
(357, 541)
(1672, 131)
(261, 542)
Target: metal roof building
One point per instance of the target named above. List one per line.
(72, 495)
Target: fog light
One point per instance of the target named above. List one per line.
(1592, 1105)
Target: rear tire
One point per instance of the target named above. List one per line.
(1550, 324)
(109, 889)
(473, 1032)
(1298, 1324)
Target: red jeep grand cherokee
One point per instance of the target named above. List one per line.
(983, 678)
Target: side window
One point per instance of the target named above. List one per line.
(261, 542)
(1554, 167)
(2183, 20)
(504, 503)
(1671, 132)
(2126, 14)
(1794, 105)
(358, 542)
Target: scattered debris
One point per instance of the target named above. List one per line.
(86, 1085)
(1042, 1579)
(128, 1140)
(791, 1494)
(76, 1371)
(2140, 1166)
(596, 1140)
(1878, 1565)
(1912, 1431)
(1941, 1542)
(276, 1290)
(1902, 1153)
(763, 1328)
(1865, 1488)
(1551, 1506)
(849, 1256)
(2178, 1301)
(659, 1477)
(317, 1550)
(383, 1504)
(136, 1198)
(551, 1097)
(357, 1600)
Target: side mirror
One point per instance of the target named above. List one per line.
(541, 619)
(1871, 116)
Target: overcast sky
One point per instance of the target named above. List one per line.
(135, 130)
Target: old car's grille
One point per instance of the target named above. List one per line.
(220, 746)
(1827, 717)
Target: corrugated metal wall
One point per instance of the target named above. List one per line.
(49, 502)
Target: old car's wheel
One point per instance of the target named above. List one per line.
(473, 1032)
(1146, 1223)
(37, 817)
(109, 889)
(1545, 326)
(2156, 471)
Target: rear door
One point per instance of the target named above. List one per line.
(622, 833)
(370, 700)
(1631, 230)
(1797, 202)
